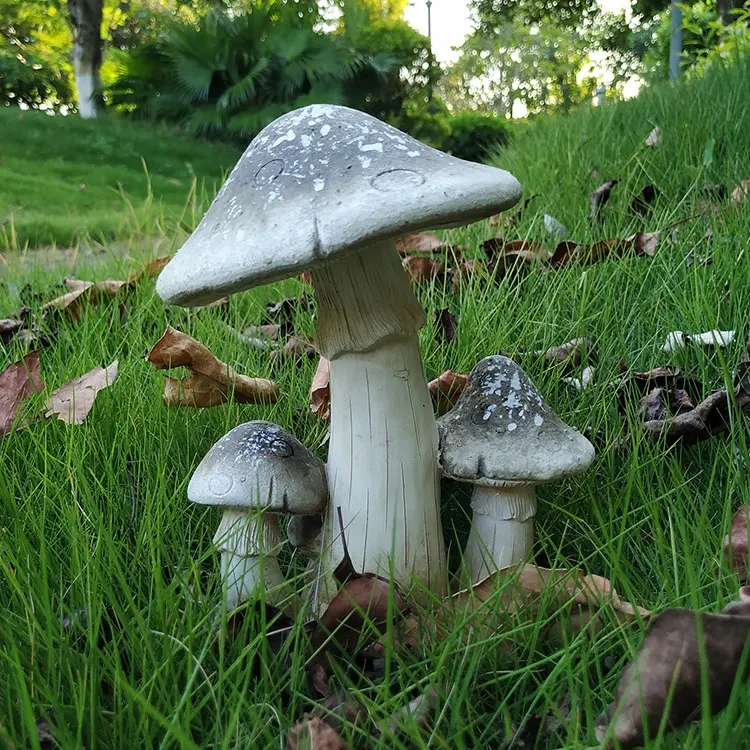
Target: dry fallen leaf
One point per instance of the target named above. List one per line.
(420, 242)
(151, 269)
(72, 402)
(108, 287)
(643, 202)
(640, 243)
(572, 353)
(314, 734)
(320, 390)
(736, 544)
(600, 197)
(422, 269)
(211, 380)
(741, 193)
(446, 388)
(18, 381)
(663, 685)
(296, 347)
(653, 139)
(515, 255)
(9, 328)
(445, 323)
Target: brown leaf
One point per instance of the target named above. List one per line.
(663, 685)
(211, 380)
(463, 270)
(422, 269)
(18, 381)
(741, 193)
(314, 734)
(295, 347)
(446, 323)
(735, 543)
(419, 242)
(643, 202)
(151, 269)
(320, 390)
(516, 255)
(653, 139)
(640, 243)
(600, 197)
(72, 402)
(108, 287)
(71, 303)
(446, 389)
(571, 353)
(9, 328)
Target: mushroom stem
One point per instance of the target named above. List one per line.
(382, 461)
(249, 545)
(502, 528)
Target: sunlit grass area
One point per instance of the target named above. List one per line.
(95, 518)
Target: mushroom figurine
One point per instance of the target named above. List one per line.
(253, 473)
(328, 189)
(502, 437)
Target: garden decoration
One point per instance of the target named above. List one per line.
(328, 189)
(504, 439)
(257, 470)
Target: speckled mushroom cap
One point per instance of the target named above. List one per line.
(501, 431)
(259, 465)
(319, 182)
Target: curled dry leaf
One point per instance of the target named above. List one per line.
(514, 256)
(211, 380)
(9, 328)
(663, 685)
(710, 417)
(295, 347)
(314, 734)
(572, 353)
(419, 242)
(741, 193)
(320, 390)
(653, 139)
(18, 382)
(600, 197)
(152, 269)
(462, 271)
(736, 544)
(72, 402)
(423, 270)
(643, 202)
(445, 323)
(640, 243)
(446, 388)
(679, 340)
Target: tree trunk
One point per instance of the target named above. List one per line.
(86, 23)
(675, 42)
(725, 8)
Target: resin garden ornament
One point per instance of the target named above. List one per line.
(504, 439)
(256, 471)
(327, 189)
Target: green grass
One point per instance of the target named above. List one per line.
(63, 178)
(96, 515)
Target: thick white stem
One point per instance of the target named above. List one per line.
(382, 459)
(502, 529)
(249, 547)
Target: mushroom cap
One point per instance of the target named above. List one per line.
(319, 182)
(259, 465)
(502, 432)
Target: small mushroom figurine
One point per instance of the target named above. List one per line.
(256, 471)
(504, 439)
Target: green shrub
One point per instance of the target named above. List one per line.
(474, 135)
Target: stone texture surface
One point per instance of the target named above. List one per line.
(318, 182)
(501, 430)
(260, 465)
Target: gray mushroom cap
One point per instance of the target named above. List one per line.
(502, 432)
(259, 465)
(319, 182)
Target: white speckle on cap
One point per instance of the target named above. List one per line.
(512, 426)
(365, 161)
(412, 153)
(515, 382)
(488, 412)
(325, 130)
(538, 419)
(289, 136)
(512, 402)
(306, 141)
(240, 235)
(372, 147)
(402, 148)
(319, 185)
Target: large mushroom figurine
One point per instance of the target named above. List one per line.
(502, 437)
(328, 189)
(255, 472)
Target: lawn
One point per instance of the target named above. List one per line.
(94, 517)
(64, 179)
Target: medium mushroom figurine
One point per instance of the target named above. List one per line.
(502, 437)
(255, 472)
(328, 189)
